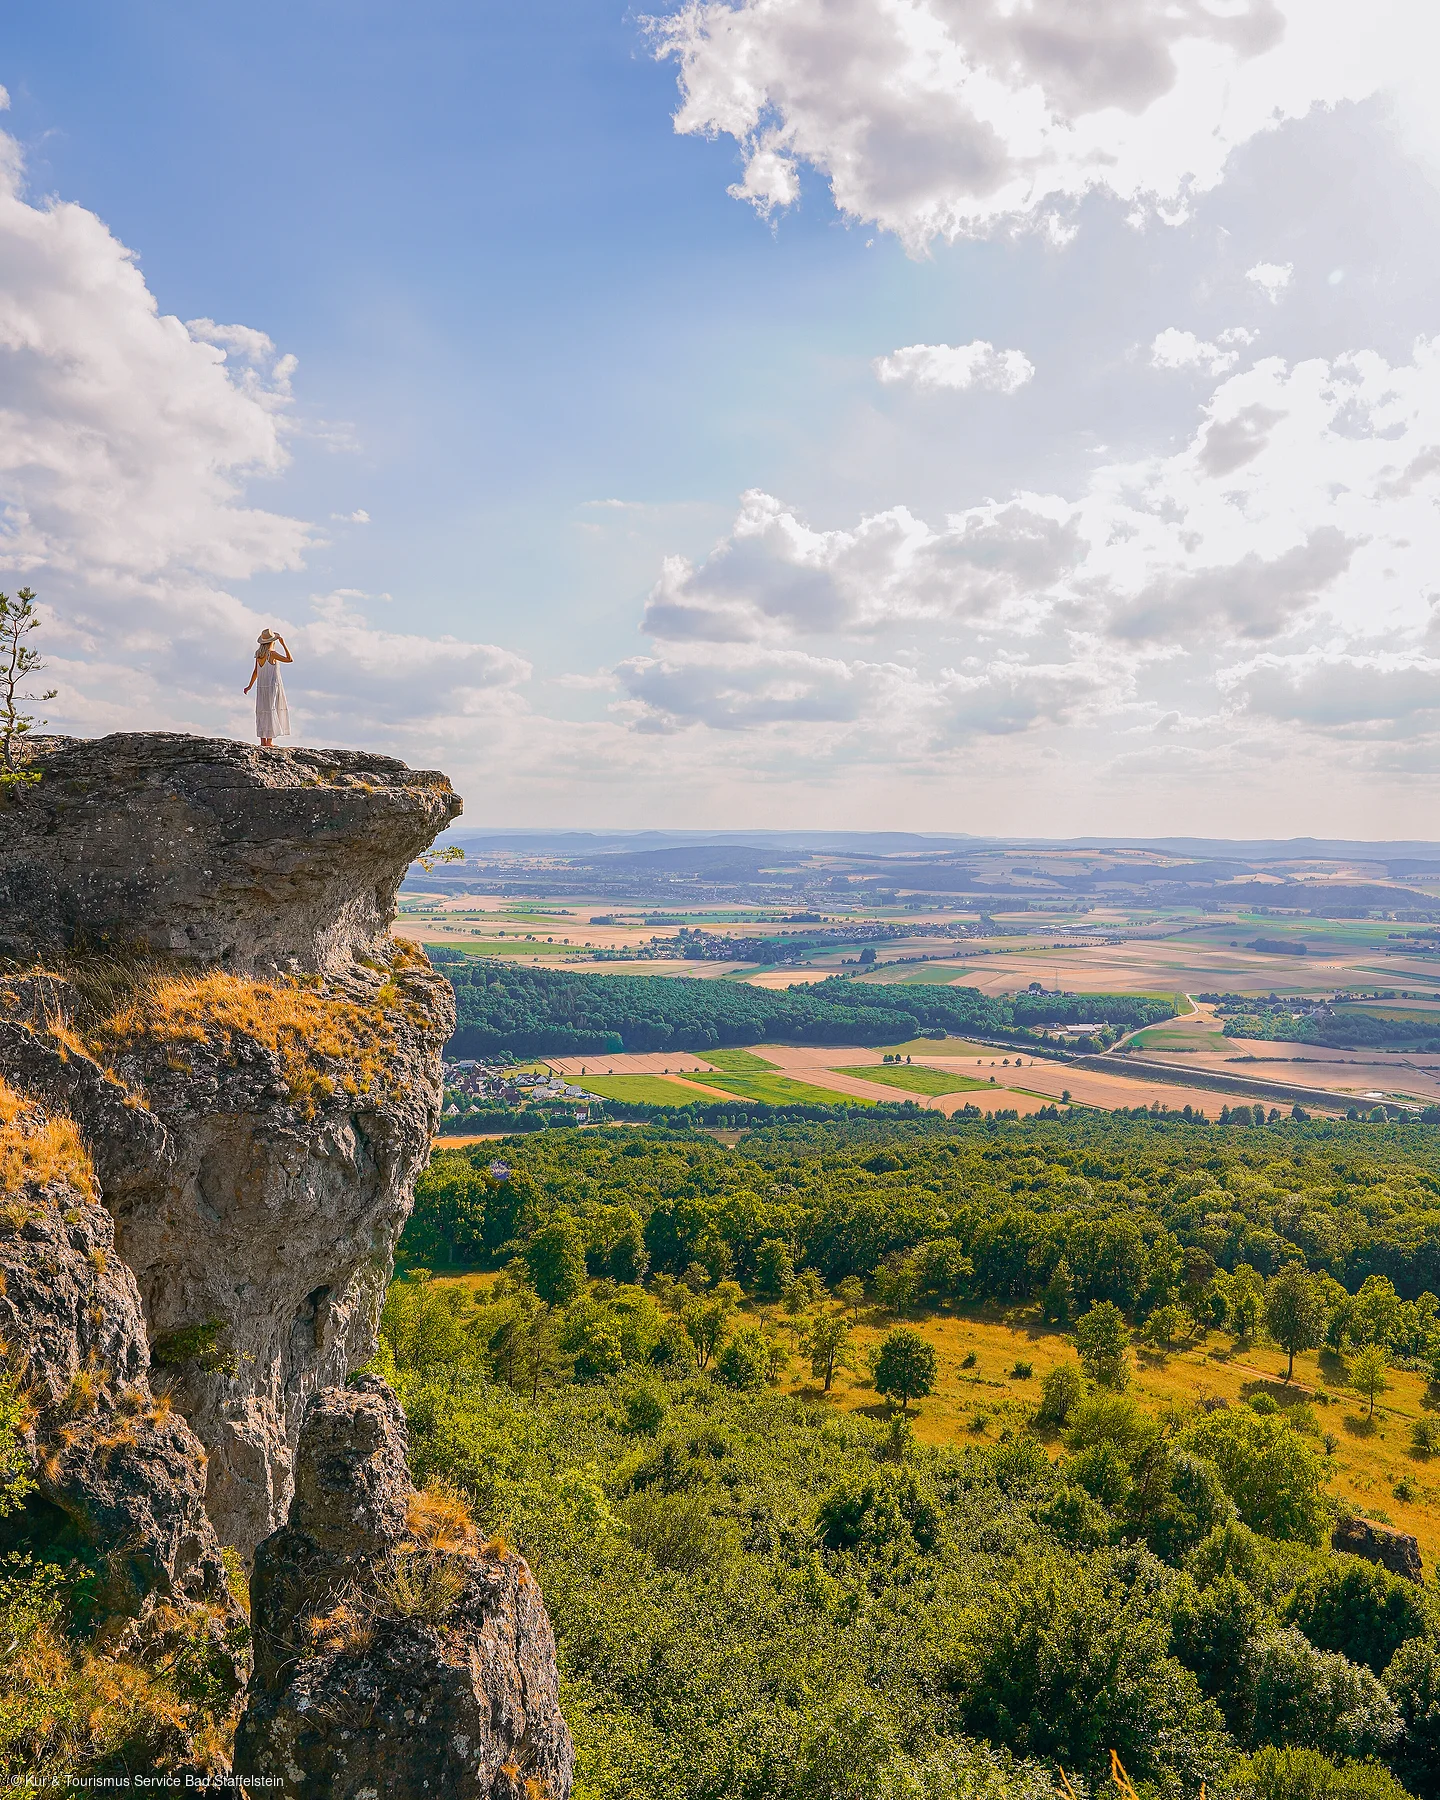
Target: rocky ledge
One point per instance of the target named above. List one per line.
(395, 1653)
(252, 860)
(204, 981)
(1394, 1550)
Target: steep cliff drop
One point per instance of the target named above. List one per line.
(219, 1077)
(395, 1652)
(204, 981)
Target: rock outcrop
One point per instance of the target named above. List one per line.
(1394, 1550)
(208, 987)
(252, 860)
(219, 1076)
(116, 1472)
(395, 1654)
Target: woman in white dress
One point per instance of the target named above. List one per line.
(272, 716)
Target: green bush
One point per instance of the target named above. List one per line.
(645, 1410)
(1358, 1609)
(1068, 1662)
(1269, 1471)
(1413, 1683)
(744, 1361)
(1060, 1393)
(1297, 1774)
(1319, 1700)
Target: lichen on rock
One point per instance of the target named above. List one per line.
(253, 860)
(396, 1653)
(207, 984)
(111, 1461)
(104, 1478)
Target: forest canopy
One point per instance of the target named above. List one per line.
(757, 1594)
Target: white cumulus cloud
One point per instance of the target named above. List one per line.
(855, 700)
(977, 365)
(1175, 349)
(936, 118)
(1301, 509)
(1272, 279)
(773, 575)
(129, 444)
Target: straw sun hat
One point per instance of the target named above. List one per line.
(267, 636)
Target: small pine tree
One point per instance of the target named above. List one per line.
(18, 662)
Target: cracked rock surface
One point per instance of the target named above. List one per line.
(107, 1455)
(389, 1662)
(259, 1116)
(256, 860)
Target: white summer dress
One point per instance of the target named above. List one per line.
(272, 716)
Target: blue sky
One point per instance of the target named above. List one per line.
(516, 295)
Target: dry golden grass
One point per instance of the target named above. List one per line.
(417, 1584)
(87, 1707)
(439, 1517)
(345, 1630)
(324, 1045)
(35, 1150)
(976, 1404)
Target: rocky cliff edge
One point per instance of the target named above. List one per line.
(202, 978)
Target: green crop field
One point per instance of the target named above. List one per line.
(650, 1089)
(927, 974)
(949, 1046)
(1160, 1037)
(778, 1090)
(738, 1062)
(1372, 1009)
(915, 1080)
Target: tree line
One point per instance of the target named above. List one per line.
(557, 1012)
(1146, 1213)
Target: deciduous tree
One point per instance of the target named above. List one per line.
(905, 1367)
(1295, 1311)
(828, 1344)
(1101, 1338)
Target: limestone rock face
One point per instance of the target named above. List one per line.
(1394, 1550)
(252, 859)
(111, 1461)
(256, 1131)
(393, 1660)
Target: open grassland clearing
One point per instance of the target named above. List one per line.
(982, 1402)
